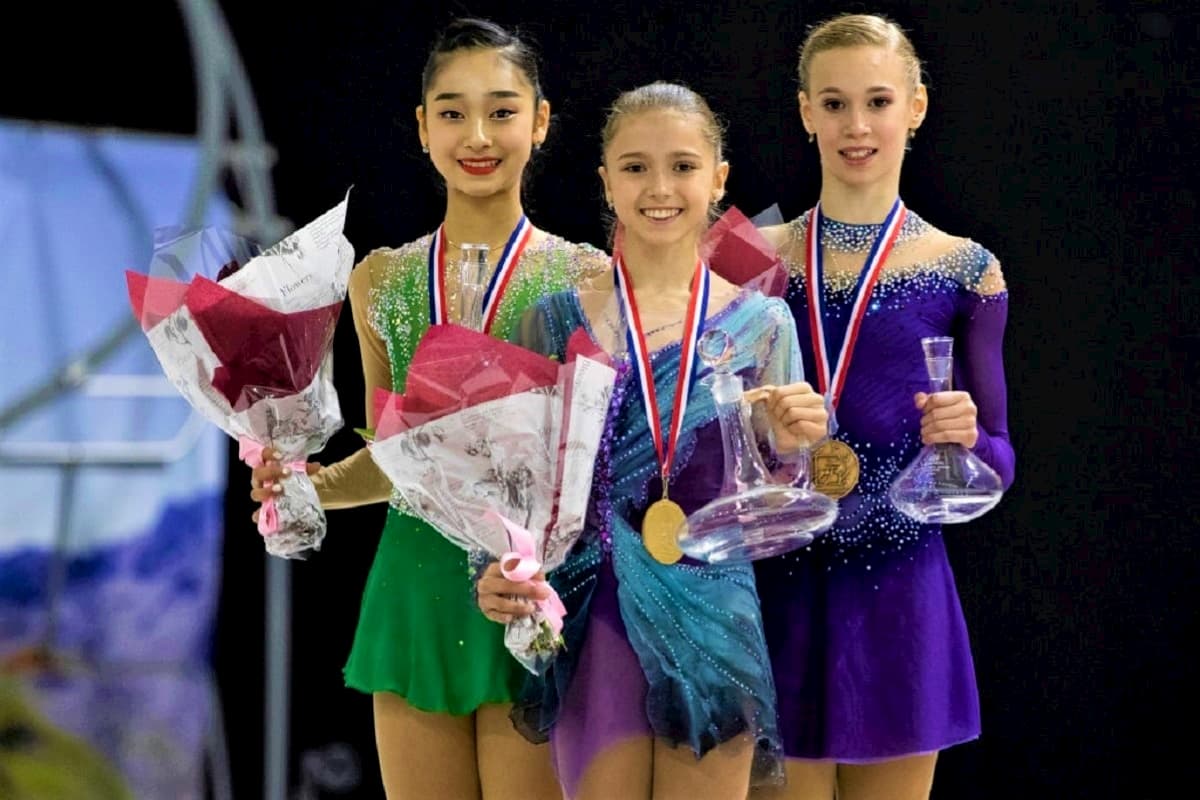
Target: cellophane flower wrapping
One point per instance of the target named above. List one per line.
(246, 338)
(486, 428)
(737, 251)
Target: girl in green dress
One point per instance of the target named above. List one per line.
(440, 675)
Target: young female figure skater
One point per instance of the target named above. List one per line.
(872, 660)
(664, 688)
(440, 675)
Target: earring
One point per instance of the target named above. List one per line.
(812, 137)
(537, 146)
(912, 134)
(424, 149)
(610, 203)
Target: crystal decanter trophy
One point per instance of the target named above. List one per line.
(474, 273)
(945, 483)
(753, 517)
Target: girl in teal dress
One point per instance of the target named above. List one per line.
(664, 686)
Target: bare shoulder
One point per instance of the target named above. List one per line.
(721, 293)
(593, 298)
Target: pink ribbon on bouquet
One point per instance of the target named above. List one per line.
(250, 451)
(521, 564)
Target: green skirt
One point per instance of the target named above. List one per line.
(420, 634)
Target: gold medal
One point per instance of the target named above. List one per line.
(662, 526)
(664, 522)
(835, 469)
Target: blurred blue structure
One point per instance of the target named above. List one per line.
(111, 514)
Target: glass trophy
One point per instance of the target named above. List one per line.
(945, 483)
(754, 517)
(474, 273)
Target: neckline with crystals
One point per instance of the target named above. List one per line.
(853, 237)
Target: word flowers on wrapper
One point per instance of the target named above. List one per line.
(246, 337)
(500, 463)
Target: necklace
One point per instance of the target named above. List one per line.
(612, 326)
(456, 247)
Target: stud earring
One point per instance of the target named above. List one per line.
(424, 149)
(812, 137)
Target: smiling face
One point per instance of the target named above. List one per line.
(480, 121)
(860, 104)
(662, 175)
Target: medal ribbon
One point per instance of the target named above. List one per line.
(498, 284)
(437, 276)
(831, 385)
(693, 325)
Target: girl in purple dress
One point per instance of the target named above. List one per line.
(871, 657)
(664, 688)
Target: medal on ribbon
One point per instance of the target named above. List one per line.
(664, 521)
(498, 283)
(835, 464)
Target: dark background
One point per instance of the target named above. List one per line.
(1060, 135)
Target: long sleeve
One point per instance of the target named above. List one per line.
(984, 314)
(780, 364)
(356, 480)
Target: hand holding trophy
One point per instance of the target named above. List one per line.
(946, 483)
(754, 517)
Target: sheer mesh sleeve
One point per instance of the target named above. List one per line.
(779, 354)
(779, 364)
(356, 480)
(983, 315)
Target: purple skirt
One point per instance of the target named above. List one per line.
(870, 654)
(606, 701)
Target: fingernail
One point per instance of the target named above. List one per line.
(276, 488)
(287, 471)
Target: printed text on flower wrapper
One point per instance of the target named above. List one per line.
(291, 287)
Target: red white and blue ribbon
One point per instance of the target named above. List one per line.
(693, 326)
(498, 284)
(437, 276)
(831, 384)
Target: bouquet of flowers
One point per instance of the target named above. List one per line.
(494, 446)
(245, 336)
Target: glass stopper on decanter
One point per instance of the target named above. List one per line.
(753, 517)
(474, 273)
(945, 483)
